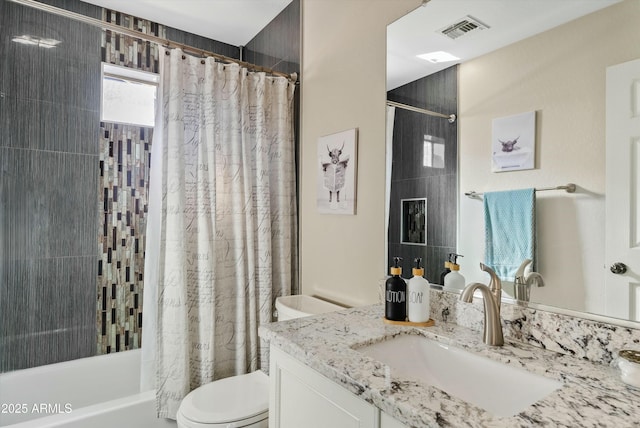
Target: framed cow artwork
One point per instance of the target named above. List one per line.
(337, 165)
(513, 142)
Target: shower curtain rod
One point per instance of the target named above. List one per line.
(150, 38)
(451, 117)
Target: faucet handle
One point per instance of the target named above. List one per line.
(495, 283)
(522, 282)
(521, 269)
(534, 278)
(528, 278)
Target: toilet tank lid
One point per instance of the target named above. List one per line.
(302, 305)
(227, 400)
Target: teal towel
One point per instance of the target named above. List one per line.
(510, 230)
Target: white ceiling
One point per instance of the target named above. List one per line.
(230, 21)
(509, 21)
(237, 21)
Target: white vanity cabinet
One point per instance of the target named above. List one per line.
(387, 421)
(301, 397)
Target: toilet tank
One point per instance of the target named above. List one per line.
(298, 306)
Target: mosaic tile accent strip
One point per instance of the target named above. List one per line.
(127, 51)
(124, 178)
(125, 152)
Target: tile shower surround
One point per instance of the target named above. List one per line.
(125, 154)
(50, 170)
(123, 198)
(411, 179)
(277, 46)
(49, 126)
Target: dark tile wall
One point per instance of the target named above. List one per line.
(76, 6)
(411, 179)
(49, 190)
(49, 127)
(200, 42)
(277, 46)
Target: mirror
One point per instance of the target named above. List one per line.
(549, 58)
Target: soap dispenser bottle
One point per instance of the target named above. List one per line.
(395, 302)
(447, 269)
(454, 281)
(418, 295)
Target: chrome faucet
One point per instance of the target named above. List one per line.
(522, 282)
(495, 285)
(491, 295)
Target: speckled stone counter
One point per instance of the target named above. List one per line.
(592, 394)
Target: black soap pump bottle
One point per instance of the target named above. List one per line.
(395, 301)
(447, 268)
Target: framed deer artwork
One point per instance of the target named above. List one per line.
(513, 142)
(337, 165)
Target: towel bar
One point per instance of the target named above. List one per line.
(569, 188)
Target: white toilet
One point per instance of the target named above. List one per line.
(299, 306)
(243, 401)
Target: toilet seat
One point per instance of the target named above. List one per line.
(233, 402)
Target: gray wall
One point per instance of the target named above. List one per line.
(49, 125)
(49, 169)
(277, 46)
(202, 43)
(411, 179)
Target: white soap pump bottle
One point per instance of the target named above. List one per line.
(454, 281)
(418, 295)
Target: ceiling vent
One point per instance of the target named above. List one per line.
(462, 27)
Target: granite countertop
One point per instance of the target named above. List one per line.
(592, 394)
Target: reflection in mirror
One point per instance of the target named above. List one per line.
(433, 150)
(424, 165)
(546, 57)
(412, 228)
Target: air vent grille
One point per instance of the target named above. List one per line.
(462, 27)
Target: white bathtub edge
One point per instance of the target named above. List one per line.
(59, 420)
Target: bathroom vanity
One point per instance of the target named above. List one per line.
(323, 373)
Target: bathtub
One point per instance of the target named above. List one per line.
(95, 392)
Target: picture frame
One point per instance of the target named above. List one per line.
(413, 221)
(513, 142)
(337, 171)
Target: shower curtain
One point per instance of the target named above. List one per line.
(222, 222)
(391, 117)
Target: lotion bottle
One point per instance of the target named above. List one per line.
(454, 281)
(447, 269)
(395, 302)
(418, 295)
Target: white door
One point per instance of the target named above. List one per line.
(623, 191)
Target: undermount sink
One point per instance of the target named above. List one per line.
(498, 388)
